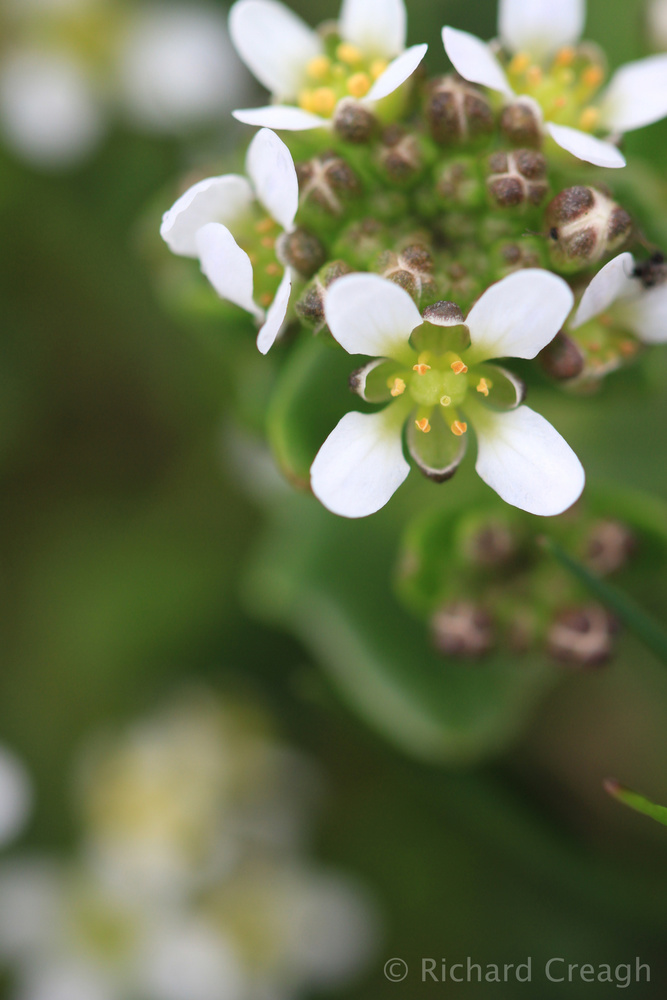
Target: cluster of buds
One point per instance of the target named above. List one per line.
(426, 224)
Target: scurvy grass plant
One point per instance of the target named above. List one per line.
(434, 226)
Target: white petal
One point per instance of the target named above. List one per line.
(274, 43)
(474, 60)
(526, 461)
(377, 27)
(271, 168)
(396, 73)
(612, 282)
(216, 199)
(275, 316)
(586, 147)
(636, 95)
(519, 315)
(539, 27)
(15, 796)
(360, 465)
(370, 315)
(645, 315)
(226, 266)
(281, 116)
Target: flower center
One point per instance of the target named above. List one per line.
(565, 88)
(344, 71)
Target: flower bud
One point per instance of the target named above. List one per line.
(584, 224)
(328, 182)
(582, 636)
(400, 154)
(459, 184)
(562, 358)
(354, 122)
(520, 123)
(610, 546)
(411, 269)
(517, 177)
(490, 546)
(457, 111)
(462, 628)
(301, 251)
(310, 306)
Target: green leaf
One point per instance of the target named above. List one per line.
(636, 801)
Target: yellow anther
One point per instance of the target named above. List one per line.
(459, 428)
(592, 77)
(265, 225)
(519, 63)
(534, 76)
(324, 101)
(484, 385)
(421, 369)
(627, 348)
(318, 68)
(359, 84)
(445, 400)
(459, 368)
(588, 119)
(423, 425)
(565, 56)
(349, 54)
(397, 386)
(273, 269)
(268, 242)
(305, 100)
(377, 68)
(266, 299)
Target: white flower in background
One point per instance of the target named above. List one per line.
(49, 111)
(439, 390)
(626, 302)
(204, 222)
(557, 80)
(308, 72)
(656, 17)
(176, 67)
(15, 796)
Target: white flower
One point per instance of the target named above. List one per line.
(437, 391)
(626, 300)
(545, 31)
(367, 60)
(15, 796)
(176, 67)
(202, 222)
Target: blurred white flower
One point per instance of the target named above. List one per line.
(177, 68)
(656, 17)
(15, 796)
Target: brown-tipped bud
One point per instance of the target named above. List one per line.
(400, 154)
(310, 306)
(411, 269)
(584, 224)
(302, 251)
(354, 122)
(444, 314)
(517, 255)
(562, 358)
(517, 178)
(610, 546)
(491, 546)
(457, 111)
(520, 123)
(582, 637)
(460, 185)
(462, 628)
(328, 182)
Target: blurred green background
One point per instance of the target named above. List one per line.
(124, 534)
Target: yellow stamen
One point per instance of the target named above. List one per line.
(305, 100)
(565, 57)
(349, 54)
(324, 101)
(273, 269)
(421, 369)
(397, 387)
(423, 425)
(459, 428)
(268, 242)
(265, 226)
(534, 76)
(519, 63)
(445, 400)
(459, 368)
(627, 348)
(359, 84)
(589, 119)
(378, 66)
(592, 77)
(318, 68)
(484, 385)
(266, 299)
